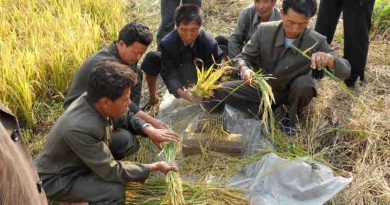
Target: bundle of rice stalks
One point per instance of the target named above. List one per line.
(174, 194)
(208, 80)
(266, 99)
(195, 193)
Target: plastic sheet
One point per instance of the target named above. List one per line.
(272, 180)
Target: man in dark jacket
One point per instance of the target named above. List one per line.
(168, 8)
(269, 50)
(76, 164)
(180, 50)
(133, 40)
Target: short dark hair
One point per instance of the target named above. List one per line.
(108, 79)
(187, 13)
(135, 32)
(305, 7)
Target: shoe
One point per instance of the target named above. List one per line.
(351, 81)
(287, 127)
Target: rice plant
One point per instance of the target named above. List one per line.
(208, 80)
(43, 42)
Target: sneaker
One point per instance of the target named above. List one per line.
(287, 127)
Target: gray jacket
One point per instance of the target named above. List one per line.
(266, 51)
(247, 25)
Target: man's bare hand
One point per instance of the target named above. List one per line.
(246, 75)
(158, 136)
(164, 166)
(183, 93)
(321, 60)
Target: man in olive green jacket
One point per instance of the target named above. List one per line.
(269, 50)
(76, 164)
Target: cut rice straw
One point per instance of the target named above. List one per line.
(174, 195)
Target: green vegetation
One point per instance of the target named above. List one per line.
(42, 42)
(381, 17)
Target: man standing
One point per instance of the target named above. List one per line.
(180, 50)
(248, 21)
(76, 164)
(269, 50)
(357, 23)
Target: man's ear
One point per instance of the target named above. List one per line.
(281, 12)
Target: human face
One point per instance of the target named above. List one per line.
(188, 32)
(116, 108)
(294, 23)
(264, 8)
(132, 53)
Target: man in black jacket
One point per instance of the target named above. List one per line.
(180, 49)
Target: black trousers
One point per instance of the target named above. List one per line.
(168, 8)
(247, 99)
(223, 44)
(357, 23)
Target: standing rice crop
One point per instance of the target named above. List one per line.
(43, 42)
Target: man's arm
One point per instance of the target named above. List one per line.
(169, 73)
(97, 156)
(326, 57)
(248, 56)
(237, 38)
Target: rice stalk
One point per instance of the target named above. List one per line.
(174, 194)
(208, 80)
(339, 82)
(266, 100)
(194, 192)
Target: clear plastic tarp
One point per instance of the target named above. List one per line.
(272, 180)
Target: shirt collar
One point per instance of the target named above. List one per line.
(280, 36)
(113, 49)
(272, 17)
